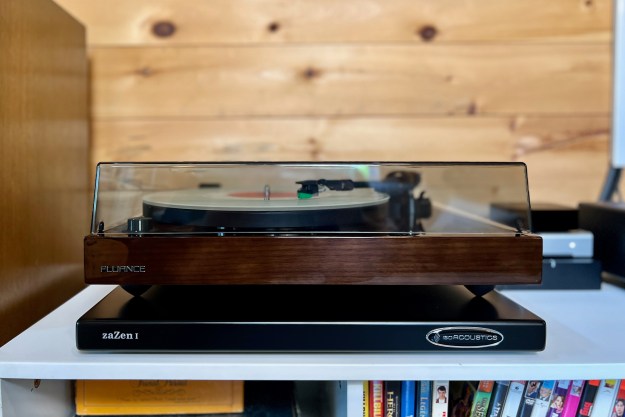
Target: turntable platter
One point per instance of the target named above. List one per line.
(203, 199)
(241, 209)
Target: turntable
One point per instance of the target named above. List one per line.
(309, 224)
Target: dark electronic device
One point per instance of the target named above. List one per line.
(606, 220)
(308, 319)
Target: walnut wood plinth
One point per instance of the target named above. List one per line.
(398, 260)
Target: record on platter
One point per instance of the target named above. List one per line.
(264, 210)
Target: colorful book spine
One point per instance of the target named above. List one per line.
(513, 400)
(392, 398)
(425, 399)
(365, 399)
(573, 397)
(408, 395)
(562, 398)
(541, 406)
(461, 395)
(618, 410)
(482, 398)
(500, 391)
(376, 399)
(604, 400)
(529, 399)
(587, 399)
(558, 398)
(440, 402)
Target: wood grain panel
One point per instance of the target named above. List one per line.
(43, 160)
(567, 156)
(364, 79)
(481, 259)
(567, 161)
(175, 22)
(350, 80)
(305, 139)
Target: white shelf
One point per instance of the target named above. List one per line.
(585, 340)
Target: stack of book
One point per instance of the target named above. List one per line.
(563, 398)
(158, 397)
(182, 398)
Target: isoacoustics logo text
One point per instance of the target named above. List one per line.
(464, 337)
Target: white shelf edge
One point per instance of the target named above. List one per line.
(578, 323)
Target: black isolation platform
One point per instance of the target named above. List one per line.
(308, 319)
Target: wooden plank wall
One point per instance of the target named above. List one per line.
(466, 80)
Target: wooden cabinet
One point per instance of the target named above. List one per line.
(43, 160)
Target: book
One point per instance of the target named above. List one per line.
(461, 396)
(365, 399)
(587, 399)
(268, 398)
(376, 399)
(558, 398)
(618, 410)
(541, 406)
(425, 399)
(163, 397)
(604, 400)
(500, 391)
(439, 399)
(482, 398)
(408, 398)
(513, 399)
(392, 398)
(529, 398)
(573, 397)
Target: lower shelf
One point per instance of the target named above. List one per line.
(34, 398)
